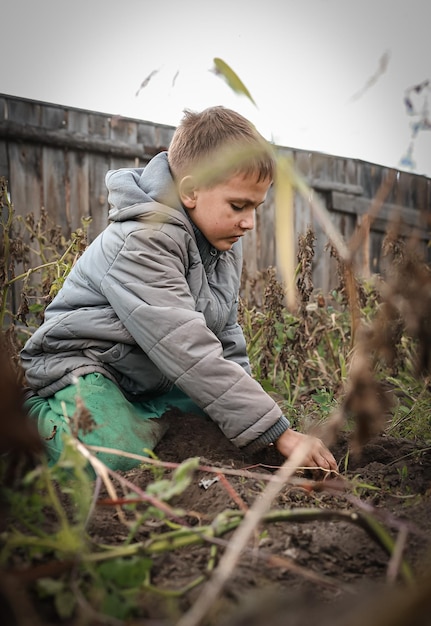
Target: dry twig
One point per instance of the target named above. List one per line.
(241, 537)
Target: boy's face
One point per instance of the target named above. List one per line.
(225, 212)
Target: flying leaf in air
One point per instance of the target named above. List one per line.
(146, 81)
(235, 83)
(382, 67)
(175, 78)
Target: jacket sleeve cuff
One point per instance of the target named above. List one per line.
(271, 435)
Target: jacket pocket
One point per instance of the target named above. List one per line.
(112, 355)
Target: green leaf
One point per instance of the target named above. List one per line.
(285, 229)
(65, 602)
(126, 573)
(184, 472)
(181, 479)
(116, 605)
(64, 599)
(49, 587)
(221, 68)
(268, 386)
(36, 308)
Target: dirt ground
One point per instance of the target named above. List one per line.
(334, 570)
(298, 572)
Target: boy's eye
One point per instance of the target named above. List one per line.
(236, 208)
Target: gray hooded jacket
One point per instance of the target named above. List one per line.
(150, 304)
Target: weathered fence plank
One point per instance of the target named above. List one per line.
(78, 173)
(25, 178)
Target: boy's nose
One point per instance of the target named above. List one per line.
(247, 221)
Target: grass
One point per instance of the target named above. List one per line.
(306, 360)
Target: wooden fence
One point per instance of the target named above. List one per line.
(56, 157)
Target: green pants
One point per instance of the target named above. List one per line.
(119, 424)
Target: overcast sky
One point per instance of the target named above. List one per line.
(326, 75)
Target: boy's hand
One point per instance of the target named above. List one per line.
(317, 455)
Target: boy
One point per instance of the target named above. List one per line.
(147, 318)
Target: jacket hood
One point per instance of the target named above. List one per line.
(128, 189)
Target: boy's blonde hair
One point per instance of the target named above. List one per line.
(219, 143)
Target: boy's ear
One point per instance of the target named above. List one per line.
(187, 192)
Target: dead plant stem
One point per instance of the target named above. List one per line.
(241, 537)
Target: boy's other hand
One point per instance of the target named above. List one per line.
(317, 456)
